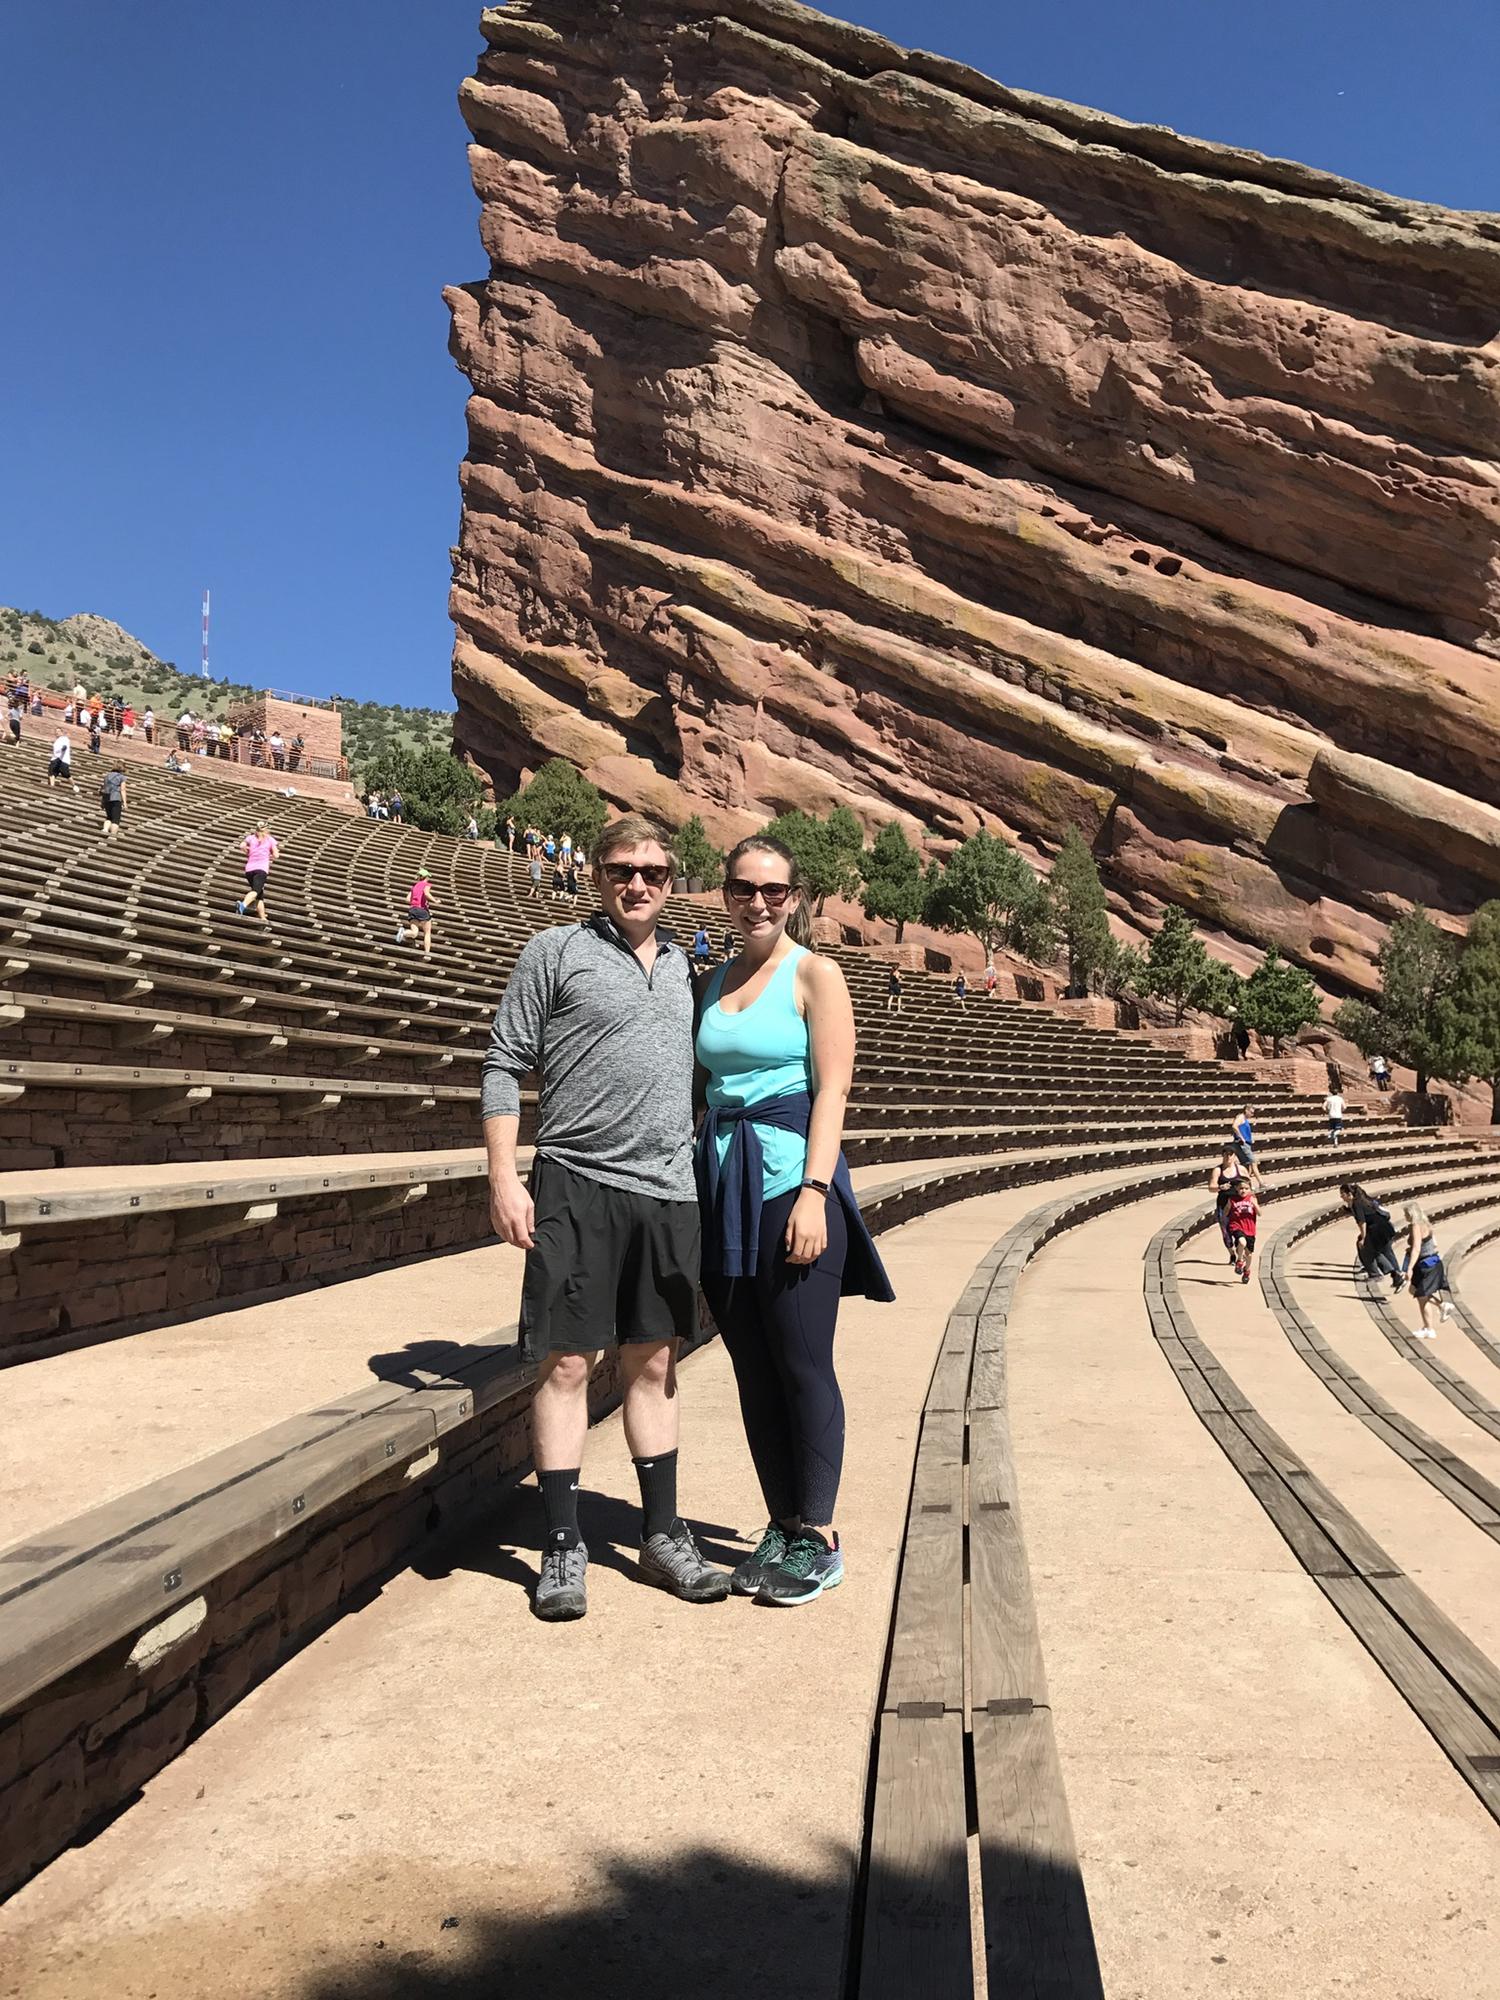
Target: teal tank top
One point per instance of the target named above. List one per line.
(762, 1051)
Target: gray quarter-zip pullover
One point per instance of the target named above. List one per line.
(613, 1047)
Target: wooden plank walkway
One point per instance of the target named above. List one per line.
(968, 1799)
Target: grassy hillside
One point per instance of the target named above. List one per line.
(60, 652)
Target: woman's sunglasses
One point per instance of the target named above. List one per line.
(655, 876)
(775, 893)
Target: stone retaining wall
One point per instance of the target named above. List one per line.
(87, 1127)
(76, 1283)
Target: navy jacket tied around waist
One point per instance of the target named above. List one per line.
(731, 1196)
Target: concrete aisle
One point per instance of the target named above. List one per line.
(1257, 1810)
(663, 1799)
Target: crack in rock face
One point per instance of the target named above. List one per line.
(847, 428)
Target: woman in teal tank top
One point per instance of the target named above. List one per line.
(783, 1239)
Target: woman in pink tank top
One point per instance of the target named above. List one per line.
(418, 913)
(260, 851)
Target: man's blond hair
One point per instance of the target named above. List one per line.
(632, 830)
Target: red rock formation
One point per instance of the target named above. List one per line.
(846, 426)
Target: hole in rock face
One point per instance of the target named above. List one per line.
(1140, 555)
(1169, 565)
(1324, 947)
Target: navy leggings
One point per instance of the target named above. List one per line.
(779, 1327)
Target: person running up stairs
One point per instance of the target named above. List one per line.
(259, 850)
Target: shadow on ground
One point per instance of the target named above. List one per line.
(683, 1926)
(703, 1924)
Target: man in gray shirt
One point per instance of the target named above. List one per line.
(603, 1012)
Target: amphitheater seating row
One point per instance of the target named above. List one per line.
(285, 1222)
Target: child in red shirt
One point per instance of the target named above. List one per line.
(1240, 1213)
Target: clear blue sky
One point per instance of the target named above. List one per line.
(224, 231)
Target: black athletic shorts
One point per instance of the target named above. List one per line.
(255, 880)
(114, 809)
(59, 767)
(607, 1267)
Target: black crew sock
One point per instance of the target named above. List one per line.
(560, 1506)
(658, 1477)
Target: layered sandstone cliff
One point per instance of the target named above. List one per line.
(846, 426)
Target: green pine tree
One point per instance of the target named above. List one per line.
(1278, 999)
(437, 791)
(1079, 912)
(697, 857)
(828, 851)
(1466, 1018)
(1417, 963)
(1124, 969)
(1177, 964)
(894, 886)
(990, 891)
(1221, 992)
(559, 799)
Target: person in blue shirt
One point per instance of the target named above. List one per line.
(783, 1239)
(1244, 1138)
(700, 946)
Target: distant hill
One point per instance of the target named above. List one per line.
(60, 652)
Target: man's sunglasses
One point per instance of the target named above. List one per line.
(742, 891)
(655, 876)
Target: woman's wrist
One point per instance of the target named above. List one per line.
(812, 1186)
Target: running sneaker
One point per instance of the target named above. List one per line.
(674, 1563)
(1447, 1309)
(1245, 1275)
(812, 1565)
(1398, 1283)
(748, 1576)
(562, 1590)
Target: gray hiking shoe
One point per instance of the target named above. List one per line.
(561, 1590)
(672, 1562)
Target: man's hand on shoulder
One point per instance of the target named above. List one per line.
(511, 1210)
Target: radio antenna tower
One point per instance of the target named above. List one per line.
(205, 635)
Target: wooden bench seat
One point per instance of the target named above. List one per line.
(52, 1198)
